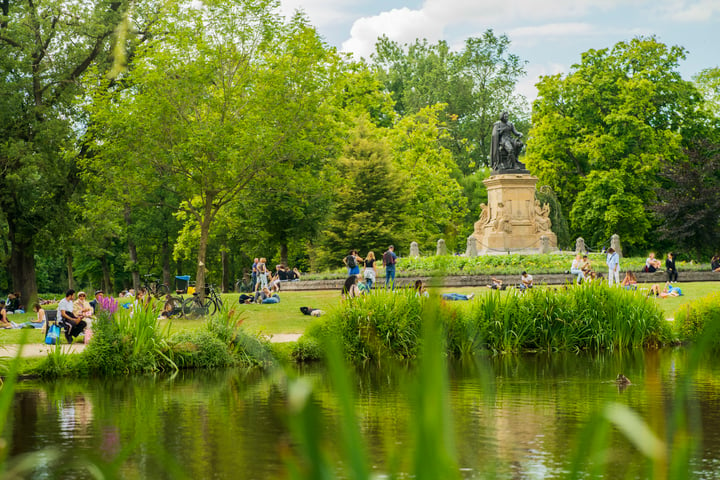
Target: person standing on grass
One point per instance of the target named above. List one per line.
(254, 276)
(389, 261)
(370, 272)
(671, 269)
(613, 263)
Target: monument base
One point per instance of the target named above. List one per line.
(513, 221)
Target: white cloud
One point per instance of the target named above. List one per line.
(320, 12)
(401, 25)
(691, 11)
(539, 33)
(526, 85)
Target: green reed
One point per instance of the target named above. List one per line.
(573, 318)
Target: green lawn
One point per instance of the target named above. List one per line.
(285, 317)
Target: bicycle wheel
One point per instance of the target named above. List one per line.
(161, 290)
(211, 306)
(192, 307)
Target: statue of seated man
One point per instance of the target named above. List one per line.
(505, 146)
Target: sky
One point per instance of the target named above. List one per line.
(550, 35)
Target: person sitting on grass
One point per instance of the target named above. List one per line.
(245, 299)
(350, 288)
(526, 281)
(4, 323)
(420, 289)
(265, 296)
(576, 270)
(715, 263)
(496, 284)
(629, 282)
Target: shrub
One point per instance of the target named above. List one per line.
(592, 316)
(699, 320)
(200, 349)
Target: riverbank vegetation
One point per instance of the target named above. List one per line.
(595, 316)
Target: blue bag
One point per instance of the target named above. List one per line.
(52, 335)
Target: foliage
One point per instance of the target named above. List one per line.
(708, 82)
(371, 206)
(689, 202)
(594, 316)
(476, 83)
(437, 204)
(699, 319)
(602, 132)
(219, 112)
(127, 342)
(44, 52)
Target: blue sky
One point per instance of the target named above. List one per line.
(549, 34)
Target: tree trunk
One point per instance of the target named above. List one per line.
(106, 285)
(70, 274)
(22, 270)
(166, 274)
(132, 250)
(202, 248)
(225, 269)
(284, 254)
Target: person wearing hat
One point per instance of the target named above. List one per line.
(82, 308)
(94, 303)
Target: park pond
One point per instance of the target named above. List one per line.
(512, 417)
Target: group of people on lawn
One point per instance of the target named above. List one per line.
(73, 315)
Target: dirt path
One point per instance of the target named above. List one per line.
(40, 350)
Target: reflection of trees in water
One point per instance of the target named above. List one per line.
(518, 414)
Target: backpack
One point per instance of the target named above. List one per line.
(388, 258)
(351, 262)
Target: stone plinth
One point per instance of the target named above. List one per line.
(513, 221)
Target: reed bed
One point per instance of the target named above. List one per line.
(571, 318)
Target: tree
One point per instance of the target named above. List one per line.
(227, 94)
(45, 49)
(690, 200)
(437, 204)
(708, 82)
(605, 129)
(477, 84)
(371, 205)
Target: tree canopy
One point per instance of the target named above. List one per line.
(602, 132)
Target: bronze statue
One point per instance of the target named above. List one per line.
(505, 147)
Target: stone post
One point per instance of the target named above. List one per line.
(471, 250)
(580, 248)
(441, 247)
(615, 244)
(414, 249)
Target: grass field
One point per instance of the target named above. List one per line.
(285, 317)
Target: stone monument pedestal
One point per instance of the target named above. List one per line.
(513, 221)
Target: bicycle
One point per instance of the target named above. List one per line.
(244, 285)
(194, 306)
(154, 287)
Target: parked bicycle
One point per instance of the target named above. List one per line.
(244, 285)
(154, 287)
(195, 306)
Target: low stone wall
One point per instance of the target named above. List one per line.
(483, 280)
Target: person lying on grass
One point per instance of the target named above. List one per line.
(668, 291)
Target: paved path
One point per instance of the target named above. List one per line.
(40, 350)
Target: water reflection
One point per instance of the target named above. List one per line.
(514, 416)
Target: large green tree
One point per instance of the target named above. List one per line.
(46, 46)
(602, 132)
(476, 83)
(222, 97)
(371, 207)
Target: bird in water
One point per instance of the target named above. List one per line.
(622, 379)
